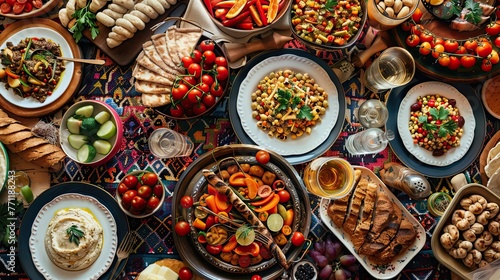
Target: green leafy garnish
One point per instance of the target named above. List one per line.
(446, 128)
(286, 99)
(472, 10)
(84, 19)
(441, 114)
(330, 5)
(305, 113)
(74, 234)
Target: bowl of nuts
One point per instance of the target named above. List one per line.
(386, 14)
(466, 236)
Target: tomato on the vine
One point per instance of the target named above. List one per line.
(216, 89)
(179, 92)
(493, 57)
(451, 45)
(207, 79)
(467, 61)
(209, 100)
(470, 45)
(483, 49)
(417, 29)
(196, 55)
(222, 73)
(204, 88)
(407, 25)
(454, 63)
(426, 36)
(486, 65)
(221, 61)
(417, 15)
(493, 28)
(199, 108)
(497, 41)
(186, 103)
(461, 50)
(425, 48)
(186, 61)
(194, 95)
(209, 56)
(195, 70)
(437, 50)
(189, 81)
(176, 111)
(444, 60)
(207, 45)
(182, 228)
(412, 40)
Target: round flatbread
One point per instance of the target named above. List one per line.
(492, 166)
(493, 152)
(494, 182)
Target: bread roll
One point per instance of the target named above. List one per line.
(105, 19)
(126, 24)
(140, 15)
(136, 21)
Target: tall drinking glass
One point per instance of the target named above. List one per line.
(393, 68)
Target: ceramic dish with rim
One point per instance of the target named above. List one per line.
(464, 108)
(193, 183)
(115, 141)
(4, 166)
(394, 100)
(394, 268)
(306, 142)
(439, 251)
(43, 8)
(490, 97)
(50, 105)
(65, 80)
(103, 198)
(336, 102)
(39, 230)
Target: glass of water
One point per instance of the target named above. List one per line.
(168, 143)
(393, 68)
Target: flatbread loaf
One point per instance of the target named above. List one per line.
(150, 87)
(146, 62)
(493, 152)
(160, 43)
(492, 166)
(155, 100)
(151, 52)
(181, 42)
(142, 73)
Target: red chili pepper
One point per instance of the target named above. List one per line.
(208, 4)
(244, 25)
(262, 15)
(235, 20)
(247, 19)
(221, 13)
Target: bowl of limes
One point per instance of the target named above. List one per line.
(91, 132)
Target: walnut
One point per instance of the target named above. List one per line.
(462, 219)
(474, 203)
(450, 236)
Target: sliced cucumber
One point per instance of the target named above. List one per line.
(77, 140)
(85, 111)
(102, 146)
(86, 153)
(102, 117)
(73, 125)
(275, 222)
(107, 130)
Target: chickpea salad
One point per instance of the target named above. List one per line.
(288, 104)
(436, 124)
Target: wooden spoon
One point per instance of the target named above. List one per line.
(83, 60)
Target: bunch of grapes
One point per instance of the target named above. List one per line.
(333, 259)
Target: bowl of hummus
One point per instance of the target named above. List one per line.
(4, 166)
(74, 239)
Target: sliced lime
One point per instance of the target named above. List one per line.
(102, 146)
(73, 125)
(77, 140)
(86, 153)
(275, 222)
(107, 130)
(102, 117)
(245, 235)
(27, 193)
(85, 111)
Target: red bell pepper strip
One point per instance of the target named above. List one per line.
(225, 4)
(208, 4)
(232, 22)
(221, 13)
(262, 15)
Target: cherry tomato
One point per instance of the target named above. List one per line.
(470, 45)
(144, 191)
(284, 196)
(483, 49)
(265, 253)
(298, 238)
(221, 61)
(417, 29)
(262, 157)
(153, 202)
(426, 37)
(11, 2)
(182, 228)
(493, 28)
(196, 55)
(158, 190)
(486, 65)
(214, 250)
(444, 60)
(467, 61)
(244, 261)
(5, 8)
(185, 273)
(493, 57)
(209, 56)
(18, 8)
(417, 15)
(195, 70)
(412, 40)
(28, 7)
(189, 81)
(186, 201)
(186, 104)
(149, 179)
(207, 45)
(209, 100)
(176, 111)
(450, 45)
(122, 188)
(138, 203)
(425, 48)
(130, 181)
(207, 79)
(37, 4)
(194, 95)
(179, 91)
(461, 50)
(186, 61)
(199, 108)
(437, 50)
(454, 63)
(216, 90)
(256, 277)
(128, 196)
(407, 25)
(222, 73)
(204, 88)
(497, 41)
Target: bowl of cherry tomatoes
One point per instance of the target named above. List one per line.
(23, 9)
(202, 84)
(140, 194)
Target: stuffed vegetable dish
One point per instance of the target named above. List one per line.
(30, 68)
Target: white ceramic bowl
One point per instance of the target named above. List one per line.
(115, 140)
(145, 213)
(4, 166)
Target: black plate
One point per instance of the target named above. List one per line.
(189, 183)
(47, 196)
(393, 102)
(235, 118)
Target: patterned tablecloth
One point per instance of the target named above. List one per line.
(114, 85)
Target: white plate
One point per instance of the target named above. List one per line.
(40, 32)
(448, 91)
(320, 131)
(389, 270)
(37, 247)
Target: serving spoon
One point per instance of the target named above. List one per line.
(83, 60)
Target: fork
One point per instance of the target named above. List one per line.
(124, 250)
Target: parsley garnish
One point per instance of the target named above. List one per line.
(446, 128)
(287, 99)
(74, 234)
(330, 5)
(84, 18)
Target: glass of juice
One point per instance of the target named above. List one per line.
(329, 177)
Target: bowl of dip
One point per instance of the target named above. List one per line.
(4, 166)
(490, 97)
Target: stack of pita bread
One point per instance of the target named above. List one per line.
(159, 63)
(492, 169)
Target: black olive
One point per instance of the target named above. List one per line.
(452, 102)
(415, 107)
(460, 121)
(438, 152)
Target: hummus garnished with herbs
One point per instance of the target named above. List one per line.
(74, 239)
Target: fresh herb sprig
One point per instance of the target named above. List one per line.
(74, 234)
(287, 99)
(330, 5)
(84, 18)
(472, 10)
(446, 128)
